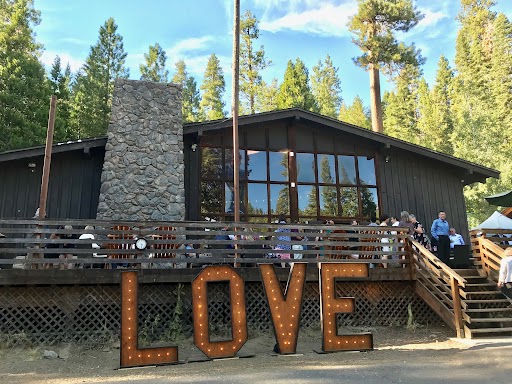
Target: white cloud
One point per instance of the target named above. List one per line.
(430, 20)
(319, 18)
(196, 65)
(48, 57)
(183, 47)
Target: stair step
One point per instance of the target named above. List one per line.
(488, 301)
(487, 310)
(480, 285)
(466, 272)
(484, 293)
(491, 330)
(491, 320)
(475, 277)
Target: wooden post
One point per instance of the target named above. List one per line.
(410, 257)
(235, 99)
(457, 307)
(47, 159)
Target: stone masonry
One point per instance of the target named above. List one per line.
(143, 171)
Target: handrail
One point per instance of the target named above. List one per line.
(425, 260)
(425, 253)
(490, 254)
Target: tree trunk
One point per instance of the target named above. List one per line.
(375, 102)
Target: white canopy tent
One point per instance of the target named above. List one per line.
(496, 221)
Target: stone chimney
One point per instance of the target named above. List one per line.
(143, 171)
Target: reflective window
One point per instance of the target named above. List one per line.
(279, 199)
(211, 163)
(369, 201)
(305, 167)
(229, 203)
(328, 201)
(366, 170)
(228, 168)
(349, 202)
(278, 165)
(257, 203)
(307, 200)
(347, 170)
(257, 165)
(326, 169)
(211, 196)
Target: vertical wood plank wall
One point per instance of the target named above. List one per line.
(74, 188)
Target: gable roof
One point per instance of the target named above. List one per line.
(472, 172)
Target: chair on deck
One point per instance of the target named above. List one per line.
(128, 244)
(340, 247)
(165, 250)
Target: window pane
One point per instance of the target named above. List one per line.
(366, 170)
(257, 165)
(279, 199)
(228, 168)
(278, 163)
(347, 169)
(307, 200)
(211, 196)
(229, 204)
(211, 167)
(328, 201)
(305, 168)
(257, 199)
(326, 169)
(369, 201)
(349, 202)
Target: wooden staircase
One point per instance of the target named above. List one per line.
(468, 300)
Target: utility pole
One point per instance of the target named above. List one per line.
(234, 109)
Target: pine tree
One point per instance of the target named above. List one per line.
(94, 87)
(213, 87)
(295, 90)
(190, 93)
(24, 89)
(400, 114)
(326, 88)
(266, 98)
(355, 114)
(374, 27)
(252, 62)
(153, 68)
(60, 83)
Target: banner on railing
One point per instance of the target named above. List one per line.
(285, 309)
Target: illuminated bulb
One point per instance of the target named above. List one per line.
(129, 318)
(234, 347)
(149, 355)
(293, 315)
(129, 290)
(158, 355)
(129, 347)
(208, 350)
(202, 343)
(240, 340)
(129, 299)
(168, 353)
(129, 281)
(221, 348)
(129, 329)
(129, 338)
(130, 357)
(140, 355)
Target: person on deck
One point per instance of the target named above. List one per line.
(505, 276)
(373, 220)
(419, 233)
(455, 238)
(440, 231)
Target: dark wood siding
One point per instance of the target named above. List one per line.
(423, 187)
(73, 191)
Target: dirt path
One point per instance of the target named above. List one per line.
(400, 356)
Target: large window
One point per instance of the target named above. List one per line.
(320, 185)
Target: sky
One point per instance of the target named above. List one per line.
(194, 29)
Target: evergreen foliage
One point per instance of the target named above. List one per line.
(295, 91)
(94, 86)
(24, 89)
(213, 87)
(374, 28)
(356, 113)
(326, 88)
(252, 62)
(60, 84)
(153, 68)
(190, 93)
(266, 99)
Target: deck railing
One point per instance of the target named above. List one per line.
(48, 244)
(439, 286)
(487, 254)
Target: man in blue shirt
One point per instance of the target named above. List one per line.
(440, 231)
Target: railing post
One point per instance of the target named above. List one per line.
(457, 307)
(410, 257)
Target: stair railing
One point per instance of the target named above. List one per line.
(490, 256)
(442, 282)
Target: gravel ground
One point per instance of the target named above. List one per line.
(401, 356)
